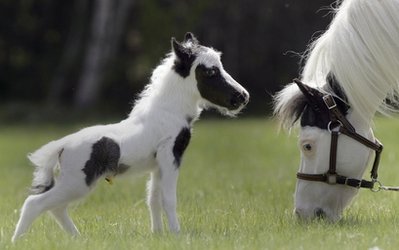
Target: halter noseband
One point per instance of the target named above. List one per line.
(340, 125)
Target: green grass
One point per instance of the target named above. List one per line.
(235, 191)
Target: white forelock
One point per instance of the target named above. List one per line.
(286, 105)
(361, 49)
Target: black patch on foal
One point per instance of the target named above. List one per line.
(215, 88)
(182, 65)
(104, 158)
(181, 142)
(39, 189)
(185, 57)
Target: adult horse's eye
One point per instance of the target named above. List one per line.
(307, 147)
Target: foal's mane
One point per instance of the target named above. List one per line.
(361, 49)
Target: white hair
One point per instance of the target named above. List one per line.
(152, 139)
(357, 58)
(361, 49)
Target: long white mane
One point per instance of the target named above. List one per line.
(361, 49)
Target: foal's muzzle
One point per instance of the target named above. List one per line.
(239, 99)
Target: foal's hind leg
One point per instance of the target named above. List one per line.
(63, 219)
(154, 201)
(31, 209)
(56, 197)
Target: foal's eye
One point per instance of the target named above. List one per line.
(307, 147)
(211, 72)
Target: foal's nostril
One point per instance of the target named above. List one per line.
(238, 99)
(246, 95)
(319, 213)
(234, 103)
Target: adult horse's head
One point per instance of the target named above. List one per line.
(350, 70)
(335, 149)
(202, 66)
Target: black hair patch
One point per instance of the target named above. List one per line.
(185, 57)
(315, 118)
(318, 115)
(104, 158)
(181, 142)
(39, 189)
(214, 87)
(183, 66)
(336, 88)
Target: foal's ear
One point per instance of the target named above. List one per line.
(184, 57)
(180, 51)
(176, 46)
(189, 37)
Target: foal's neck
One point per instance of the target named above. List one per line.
(168, 95)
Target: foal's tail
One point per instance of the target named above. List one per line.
(45, 159)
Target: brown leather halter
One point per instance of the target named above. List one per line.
(340, 125)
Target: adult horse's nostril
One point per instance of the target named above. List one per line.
(300, 214)
(319, 213)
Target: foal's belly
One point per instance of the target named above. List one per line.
(138, 166)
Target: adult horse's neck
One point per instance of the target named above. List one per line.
(360, 48)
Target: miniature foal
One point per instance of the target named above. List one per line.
(152, 139)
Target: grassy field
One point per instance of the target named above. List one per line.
(235, 192)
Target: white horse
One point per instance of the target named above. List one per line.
(152, 139)
(354, 65)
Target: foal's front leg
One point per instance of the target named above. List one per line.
(169, 172)
(169, 197)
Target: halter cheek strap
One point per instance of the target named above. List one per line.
(340, 125)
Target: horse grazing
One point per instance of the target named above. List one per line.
(351, 71)
(152, 139)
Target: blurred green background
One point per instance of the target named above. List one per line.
(64, 60)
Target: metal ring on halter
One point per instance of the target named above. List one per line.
(376, 188)
(336, 127)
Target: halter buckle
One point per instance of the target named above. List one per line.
(331, 178)
(329, 101)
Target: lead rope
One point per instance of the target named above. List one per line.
(380, 187)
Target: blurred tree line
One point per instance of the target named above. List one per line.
(83, 55)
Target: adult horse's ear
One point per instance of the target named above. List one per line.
(312, 95)
(189, 37)
(309, 92)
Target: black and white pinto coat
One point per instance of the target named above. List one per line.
(152, 139)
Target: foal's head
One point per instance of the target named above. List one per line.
(201, 66)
